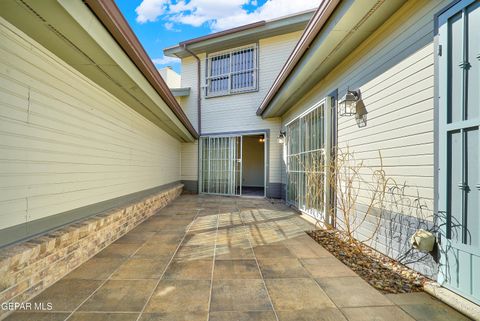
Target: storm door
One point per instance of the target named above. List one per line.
(220, 165)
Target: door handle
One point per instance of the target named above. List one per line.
(478, 186)
(462, 186)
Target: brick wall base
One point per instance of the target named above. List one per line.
(28, 268)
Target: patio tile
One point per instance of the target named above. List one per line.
(239, 295)
(89, 316)
(352, 292)
(305, 251)
(327, 267)
(175, 316)
(282, 268)
(37, 316)
(424, 307)
(141, 268)
(134, 237)
(297, 294)
(118, 250)
(189, 270)
(195, 252)
(202, 238)
(272, 251)
(377, 314)
(120, 295)
(96, 269)
(156, 250)
(180, 296)
(243, 316)
(328, 314)
(170, 238)
(66, 295)
(224, 252)
(236, 269)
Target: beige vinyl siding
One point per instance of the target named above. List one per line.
(235, 113)
(189, 161)
(394, 70)
(64, 141)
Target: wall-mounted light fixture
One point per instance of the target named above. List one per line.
(281, 137)
(261, 140)
(348, 104)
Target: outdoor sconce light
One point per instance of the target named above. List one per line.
(348, 104)
(281, 137)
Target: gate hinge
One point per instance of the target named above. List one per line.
(462, 185)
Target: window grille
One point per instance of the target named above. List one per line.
(232, 72)
(307, 143)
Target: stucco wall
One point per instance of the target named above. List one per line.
(65, 142)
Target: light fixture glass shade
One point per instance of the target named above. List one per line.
(348, 104)
(281, 138)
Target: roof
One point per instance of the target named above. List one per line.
(93, 37)
(241, 35)
(336, 29)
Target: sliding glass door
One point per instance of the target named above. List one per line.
(220, 161)
(308, 141)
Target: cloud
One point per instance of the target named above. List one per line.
(170, 27)
(150, 10)
(164, 61)
(218, 14)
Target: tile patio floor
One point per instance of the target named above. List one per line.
(220, 258)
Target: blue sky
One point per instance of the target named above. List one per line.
(163, 23)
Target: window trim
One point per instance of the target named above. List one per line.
(229, 91)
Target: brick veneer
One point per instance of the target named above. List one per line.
(29, 267)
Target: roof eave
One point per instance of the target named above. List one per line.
(315, 25)
(113, 20)
(257, 30)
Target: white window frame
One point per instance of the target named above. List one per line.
(228, 75)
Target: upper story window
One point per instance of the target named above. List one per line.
(231, 72)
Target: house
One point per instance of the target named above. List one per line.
(410, 71)
(240, 153)
(87, 127)
(387, 89)
(361, 110)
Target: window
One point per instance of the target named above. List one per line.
(232, 72)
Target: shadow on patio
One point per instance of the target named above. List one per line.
(221, 258)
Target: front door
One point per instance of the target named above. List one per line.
(459, 145)
(220, 165)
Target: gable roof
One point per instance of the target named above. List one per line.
(241, 35)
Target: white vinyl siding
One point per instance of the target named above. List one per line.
(232, 71)
(394, 70)
(238, 112)
(64, 141)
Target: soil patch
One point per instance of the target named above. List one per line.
(383, 273)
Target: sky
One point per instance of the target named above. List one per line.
(163, 23)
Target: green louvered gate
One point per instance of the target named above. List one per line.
(459, 147)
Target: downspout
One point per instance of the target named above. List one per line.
(199, 90)
(199, 112)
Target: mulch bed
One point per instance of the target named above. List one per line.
(383, 273)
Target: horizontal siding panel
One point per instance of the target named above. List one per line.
(67, 143)
(394, 70)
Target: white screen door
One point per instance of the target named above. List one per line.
(221, 165)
